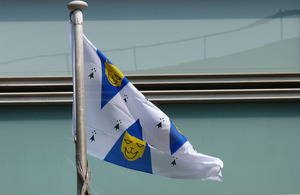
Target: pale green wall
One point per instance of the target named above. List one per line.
(258, 142)
(155, 36)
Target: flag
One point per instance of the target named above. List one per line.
(124, 128)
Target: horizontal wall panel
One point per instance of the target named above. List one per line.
(163, 88)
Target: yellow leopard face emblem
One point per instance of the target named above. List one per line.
(114, 75)
(132, 147)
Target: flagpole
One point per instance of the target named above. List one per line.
(83, 173)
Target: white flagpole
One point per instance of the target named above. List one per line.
(83, 173)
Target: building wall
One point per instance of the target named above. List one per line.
(155, 36)
(258, 142)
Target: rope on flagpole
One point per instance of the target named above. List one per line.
(85, 178)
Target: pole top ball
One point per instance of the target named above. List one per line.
(77, 5)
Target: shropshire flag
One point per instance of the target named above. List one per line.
(125, 128)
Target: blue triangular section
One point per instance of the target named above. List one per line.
(176, 138)
(108, 90)
(117, 157)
